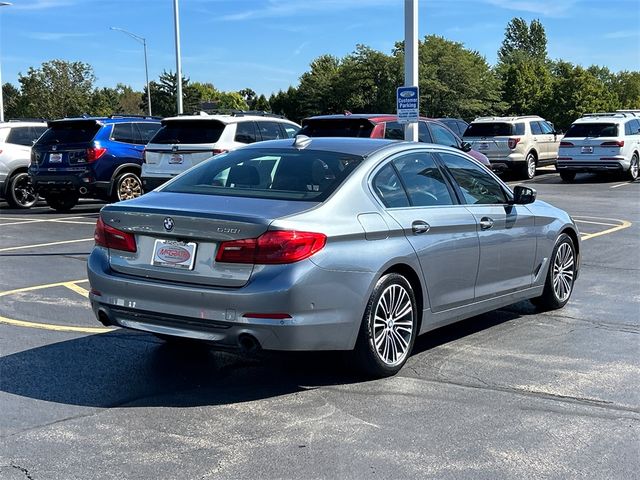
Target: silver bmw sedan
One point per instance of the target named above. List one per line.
(328, 244)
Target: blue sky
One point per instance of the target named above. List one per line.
(267, 44)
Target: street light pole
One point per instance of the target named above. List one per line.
(176, 19)
(146, 68)
(2, 4)
(411, 57)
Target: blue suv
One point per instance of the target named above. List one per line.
(90, 158)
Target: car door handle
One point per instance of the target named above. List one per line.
(486, 223)
(420, 227)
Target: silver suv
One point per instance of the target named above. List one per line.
(185, 141)
(516, 143)
(16, 139)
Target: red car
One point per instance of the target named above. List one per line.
(385, 126)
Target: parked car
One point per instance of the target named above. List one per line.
(328, 244)
(456, 125)
(90, 158)
(521, 144)
(185, 141)
(384, 126)
(601, 142)
(16, 139)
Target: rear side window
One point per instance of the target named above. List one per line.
(631, 127)
(125, 132)
(389, 189)
(189, 132)
(246, 132)
(424, 135)
(147, 130)
(269, 130)
(394, 131)
(70, 132)
(494, 129)
(284, 174)
(579, 130)
(22, 136)
(536, 129)
(339, 127)
(518, 129)
(422, 180)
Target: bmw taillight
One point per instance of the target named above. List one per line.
(513, 142)
(614, 143)
(566, 144)
(272, 248)
(94, 153)
(107, 236)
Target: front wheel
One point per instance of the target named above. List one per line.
(21, 193)
(62, 202)
(127, 186)
(389, 327)
(560, 277)
(633, 168)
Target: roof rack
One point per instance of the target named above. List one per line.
(124, 115)
(236, 113)
(508, 119)
(617, 114)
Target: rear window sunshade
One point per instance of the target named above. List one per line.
(348, 127)
(69, 132)
(579, 130)
(489, 130)
(188, 132)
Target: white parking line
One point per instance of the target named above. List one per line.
(621, 185)
(22, 221)
(22, 247)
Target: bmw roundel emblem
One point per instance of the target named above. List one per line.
(168, 224)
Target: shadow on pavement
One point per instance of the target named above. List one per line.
(124, 368)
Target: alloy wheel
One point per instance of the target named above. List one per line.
(531, 166)
(129, 187)
(633, 169)
(563, 272)
(393, 325)
(23, 195)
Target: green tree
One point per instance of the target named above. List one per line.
(164, 96)
(627, 87)
(261, 104)
(129, 100)
(11, 100)
(57, 89)
(286, 103)
(521, 38)
(317, 91)
(206, 91)
(231, 101)
(249, 96)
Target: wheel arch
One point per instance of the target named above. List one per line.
(126, 168)
(414, 280)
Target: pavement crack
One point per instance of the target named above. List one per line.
(21, 469)
(608, 267)
(616, 327)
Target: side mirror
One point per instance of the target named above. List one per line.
(465, 146)
(523, 195)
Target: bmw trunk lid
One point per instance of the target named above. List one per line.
(178, 235)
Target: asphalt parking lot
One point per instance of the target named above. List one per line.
(508, 394)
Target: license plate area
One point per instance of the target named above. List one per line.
(176, 159)
(483, 146)
(586, 149)
(174, 254)
(55, 158)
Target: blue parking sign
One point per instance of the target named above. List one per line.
(408, 104)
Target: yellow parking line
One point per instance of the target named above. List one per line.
(82, 291)
(42, 287)
(56, 328)
(624, 225)
(22, 247)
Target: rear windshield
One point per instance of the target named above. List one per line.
(189, 131)
(496, 129)
(339, 127)
(306, 175)
(580, 130)
(69, 132)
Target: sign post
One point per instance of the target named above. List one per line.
(410, 65)
(407, 100)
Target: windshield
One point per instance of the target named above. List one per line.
(489, 130)
(189, 132)
(307, 175)
(69, 132)
(579, 130)
(337, 127)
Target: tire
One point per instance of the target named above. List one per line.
(528, 170)
(20, 191)
(127, 186)
(62, 203)
(383, 348)
(562, 268)
(632, 173)
(568, 176)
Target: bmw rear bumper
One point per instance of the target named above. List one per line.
(326, 307)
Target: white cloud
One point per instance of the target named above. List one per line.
(55, 36)
(547, 8)
(290, 8)
(622, 34)
(43, 4)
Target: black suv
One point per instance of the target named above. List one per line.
(90, 158)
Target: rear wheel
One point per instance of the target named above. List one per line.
(389, 327)
(62, 202)
(127, 186)
(529, 168)
(567, 176)
(560, 277)
(632, 174)
(21, 193)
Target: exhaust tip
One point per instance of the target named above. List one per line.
(83, 190)
(104, 319)
(249, 344)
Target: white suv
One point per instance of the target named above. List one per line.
(516, 143)
(185, 141)
(16, 139)
(601, 142)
